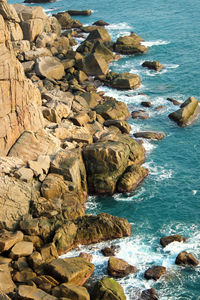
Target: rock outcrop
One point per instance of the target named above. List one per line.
(153, 65)
(186, 259)
(130, 45)
(108, 288)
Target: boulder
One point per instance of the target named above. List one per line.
(153, 65)
(149, 294)
(175, 102)
(155, 272)
(33, 293)
(152, 135)
(91, 98)
(6, 283)
(100, 33)
(8, 239)
(21, 249)
(38, 52)
(20, 46)
(74, 270)
(8, 12)
(119, 267)
(186, 259)
(109, 251)
(130, 45)
(28, 66)
(49, 67)
(64, 237)
(73, 292)
(172, 238)
(86, 12)
(86, 256)
(123, 126)
(100, 23)
(126, 81)
(146, 103)
(93, 65)
(32, 28)
(131, 178)
(108, 288)
(188, 112)
(139, 114)
(15, 30)
(93, 229)
(30, 146)
(113, 110)
(66, 21)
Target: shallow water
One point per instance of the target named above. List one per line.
(167, 202)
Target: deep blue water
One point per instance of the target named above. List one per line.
(167, 202)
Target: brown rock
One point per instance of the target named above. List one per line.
(130, 45)
(109, 251)
(172, 238)
(184, 258)
(99, 33)
(6, 283)
(146, 103)
(38, 52)
(66, 21)
(100, 23)
(70, 291)
(108, 288)
(119, 267)
(22, 249)
(8, 239)
(33, 293)
(93, 65)
(149, 294)
(122, 125)
(152, 135)
(155, 272)
(113, 110)
(15, 30)
(64, 237)
(86, 256)
(71, 270)
(126, 81)
(139, 114)
(49, 252)
(24, 276)
(79, 12)
(153, 65)
(49, 67)
(175, 102)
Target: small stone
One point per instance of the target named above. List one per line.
(139, 114)
(172, 238)
(32, 293)
(24, 174)
(6, 283)
(146, 103)
(152, 135)
(175, 102)
(155, 272)
(186, 259)
(109, 251)
(21, 249)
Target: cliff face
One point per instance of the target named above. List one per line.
(19, 98)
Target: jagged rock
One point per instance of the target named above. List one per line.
(21, 249)
(33, 293)
(68, 63)
(5, 261)
(119, 267)
(184, 258)
(172, 238)
(28, 66)
(100, 23)
(44, 39)
(35, 260)
(70, 291)
(30, 146)
(15, 30)
(175, 102)
(64, 237)
(3, 296)
(188, 112)
(55, 111)
(66, 21)
(139, 114)
(152, 135)
(131, 178)
(155, 272)
(74, 270)
(130, 45)
(53, 187)
(93, 65)
(49, 252)
(113, 110)
(122, 125)
(92, 98)
(21, 46)
(108, 288)
(86, 256)
(8, 12)
(34, 54)
(45, 280)
(99, 33)
(80, 119)
(93, 229)
(8, 239)
(6, 283)
(49, 67)
(126, 81)
(153, 65)
(109, 251)
(149, 294)
(24, 276)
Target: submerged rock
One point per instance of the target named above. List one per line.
(49, 67)
(172, 238)
(187, 113)
(108, 288)
(100, 23)
(175, 102)
(139, 114)
(186, 259)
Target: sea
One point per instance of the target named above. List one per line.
(168, 200)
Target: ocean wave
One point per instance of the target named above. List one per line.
(171, 66)
(158, 172)
(155, 43)
(119, 26)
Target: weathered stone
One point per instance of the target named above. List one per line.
(5, 261)
(8, 239)
(109, 251)
(32, 293)
(49, 252)
(21, 46)
(155, 272)
(131, 178)
(99, 33)
(139, 114)
(34, 54)
(32, 28)
(122, 125)
(8, 12)
(20, 264)
(153, 65)
(119, 267)
(45, 280)
(152, 135)
(172, 238)
(72, 292)
(21, 249)
(15, 30)
(100, 23)
(29, 12)
(68, 63)
(126, 81)
(49, 67)
(187, 113)
(6, 283)
(53, 187)
(36, 240)
(93, 229)
(86, 12)
(130, 45)
(80, 119)
(64, 237)
(28, 66)
(184, 258)
(30, 146)
(108, 288)
(93, 65)
(86, 256)
(113, 109)
(92, 98)
(35, 260)
(24, 276)
(3, 296)
(66, 21)
(70, 270)
(175, 102)
(35, 167)
(149, 294)
(146, 103)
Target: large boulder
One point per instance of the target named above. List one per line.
(126, 81)
(19, 97)
(166, 240)
(100, 33)
(106, 161)
(8, 239)
(151, 135)
(130, 45)
(113, 110)
(66, 21)
(186, 259)
(153, 65)
(75, 270)
(49, 67)
(119, 267)
(6, 283)
(108, 288)
(73, 292)
(33, 293)
(155, 272)
(187, 113)
(93, 229)
(93, 64)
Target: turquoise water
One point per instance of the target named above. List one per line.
(167, 202)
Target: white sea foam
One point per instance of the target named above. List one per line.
(119, 26)
(91, 203)
(158, 172)
(171, 66)
(155, 43)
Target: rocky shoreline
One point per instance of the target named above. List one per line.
(61, 140)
